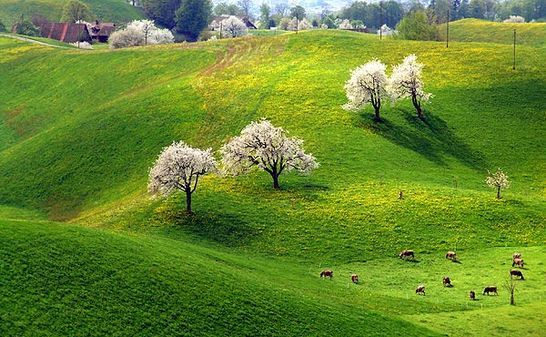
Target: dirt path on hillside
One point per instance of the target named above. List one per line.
(20, 38)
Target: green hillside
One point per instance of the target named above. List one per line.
(79, 131)
(475, 30)
(106, 10)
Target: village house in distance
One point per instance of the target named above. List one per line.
(78, 32)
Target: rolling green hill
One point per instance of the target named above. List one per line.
(79, 130)
(118, 11)
(475, 30)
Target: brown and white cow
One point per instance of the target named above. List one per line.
(407, 253)
(420, 290)
(451, 256)
(354, 278)
(490, 290)
(518, 262)
(447, 282)
(327, 273)
(472, 295)
(516, 273)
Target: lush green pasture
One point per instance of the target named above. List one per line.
(65, 280)
(475, 30)
(81, 280)
(79, 131)
(105, 10)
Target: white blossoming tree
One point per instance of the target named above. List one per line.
(345, 24)
(406, 82)
(304, 24)
(178, 168)
(262, 145)
(139, 33)
(514, 19)
(293, 24)
(233, 27)
(498, 180)
(367, 85)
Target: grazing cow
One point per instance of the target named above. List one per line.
(472, 295)
(354, 278)
(447, 282)
(406, 253)
(517, 273)
(518, 262)
(451, 256)
(490, 290)
(420, 290)
(516, 256)
(327, 273)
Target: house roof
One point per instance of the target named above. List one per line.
(217, 19)
(103, 29)
(66, 32)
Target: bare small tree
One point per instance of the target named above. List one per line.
(510, 285)
(246, 7)
(498, 180)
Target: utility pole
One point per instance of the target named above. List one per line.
(447, 30)
(514, 64)
(381, 20)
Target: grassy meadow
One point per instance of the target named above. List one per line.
(118, 11)
(476, 30)
(79, 132)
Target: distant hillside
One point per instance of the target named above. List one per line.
(475, 30)
(105, 10)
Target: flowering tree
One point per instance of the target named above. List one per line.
(498, 180)
(515, 19)
(139, 33)
(268, 148)
(304, 24)
(293, 24)
(345, 24)
(367, 85)
(406, 82)
(179, 167)
(233, 27)
(128, 37)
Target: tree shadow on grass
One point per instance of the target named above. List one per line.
(430, 137)
(228, 229)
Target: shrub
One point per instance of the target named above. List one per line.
(415, 26)
(27, 28)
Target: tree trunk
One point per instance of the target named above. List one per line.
(377, 115)
(417, 106)
(512, 301)
(188, 202)
(275, 181)
(498, 192)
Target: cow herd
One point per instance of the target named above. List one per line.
(517, 261)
